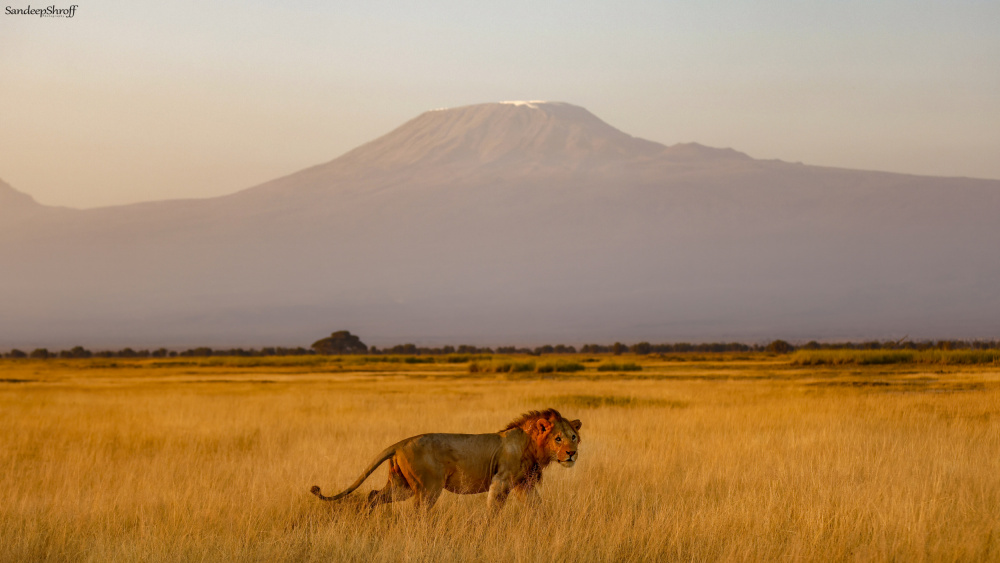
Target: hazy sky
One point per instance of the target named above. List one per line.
(133, 101)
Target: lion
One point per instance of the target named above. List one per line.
(509, 460)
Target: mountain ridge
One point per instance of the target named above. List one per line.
(11, 198)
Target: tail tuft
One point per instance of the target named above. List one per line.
(315, 490)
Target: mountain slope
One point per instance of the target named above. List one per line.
(520, 223)
(14, 204)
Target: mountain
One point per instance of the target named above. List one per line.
(520, 223)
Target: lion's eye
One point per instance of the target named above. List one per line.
(558, 439)
(574, 437)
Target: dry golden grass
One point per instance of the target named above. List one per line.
(744, 460)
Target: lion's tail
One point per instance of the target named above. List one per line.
(386, 454)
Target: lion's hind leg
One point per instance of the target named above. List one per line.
(397, 489)
(429, 495)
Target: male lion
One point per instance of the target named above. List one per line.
(505, 461)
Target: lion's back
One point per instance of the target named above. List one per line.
(452, 448)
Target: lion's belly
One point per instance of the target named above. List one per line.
(467, 459)
(465, 484)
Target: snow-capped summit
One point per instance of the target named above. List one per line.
(533, 104)
(507, 132)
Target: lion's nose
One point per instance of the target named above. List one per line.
(571, 455)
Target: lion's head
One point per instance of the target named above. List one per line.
(560, 438)
(554, 437)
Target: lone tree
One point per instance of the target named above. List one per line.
(340, 342)
(779, 347)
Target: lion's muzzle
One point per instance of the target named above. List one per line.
(569, 460)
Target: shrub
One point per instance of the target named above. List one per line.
(560, 367)
(612, 366)
(416, 360)
(504, 366)
(511, 366)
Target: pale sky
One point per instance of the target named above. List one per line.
(134, 101)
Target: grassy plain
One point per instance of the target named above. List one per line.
(752, 458)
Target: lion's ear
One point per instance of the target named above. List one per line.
(576, 424)
(543, 426)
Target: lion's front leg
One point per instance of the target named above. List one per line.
(499, 489)
(528, 493)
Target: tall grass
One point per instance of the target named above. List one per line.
(145, 465)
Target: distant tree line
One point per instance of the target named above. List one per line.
(81, 352)
(343, 342)
(643, 348)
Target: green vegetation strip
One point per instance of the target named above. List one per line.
(598, 401)
(879, 357)
(611, 366)
(514, 366)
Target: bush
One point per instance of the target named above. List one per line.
(504, 366)
(560, 367)
(416, 360)
(511, 366)
(611, 366)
